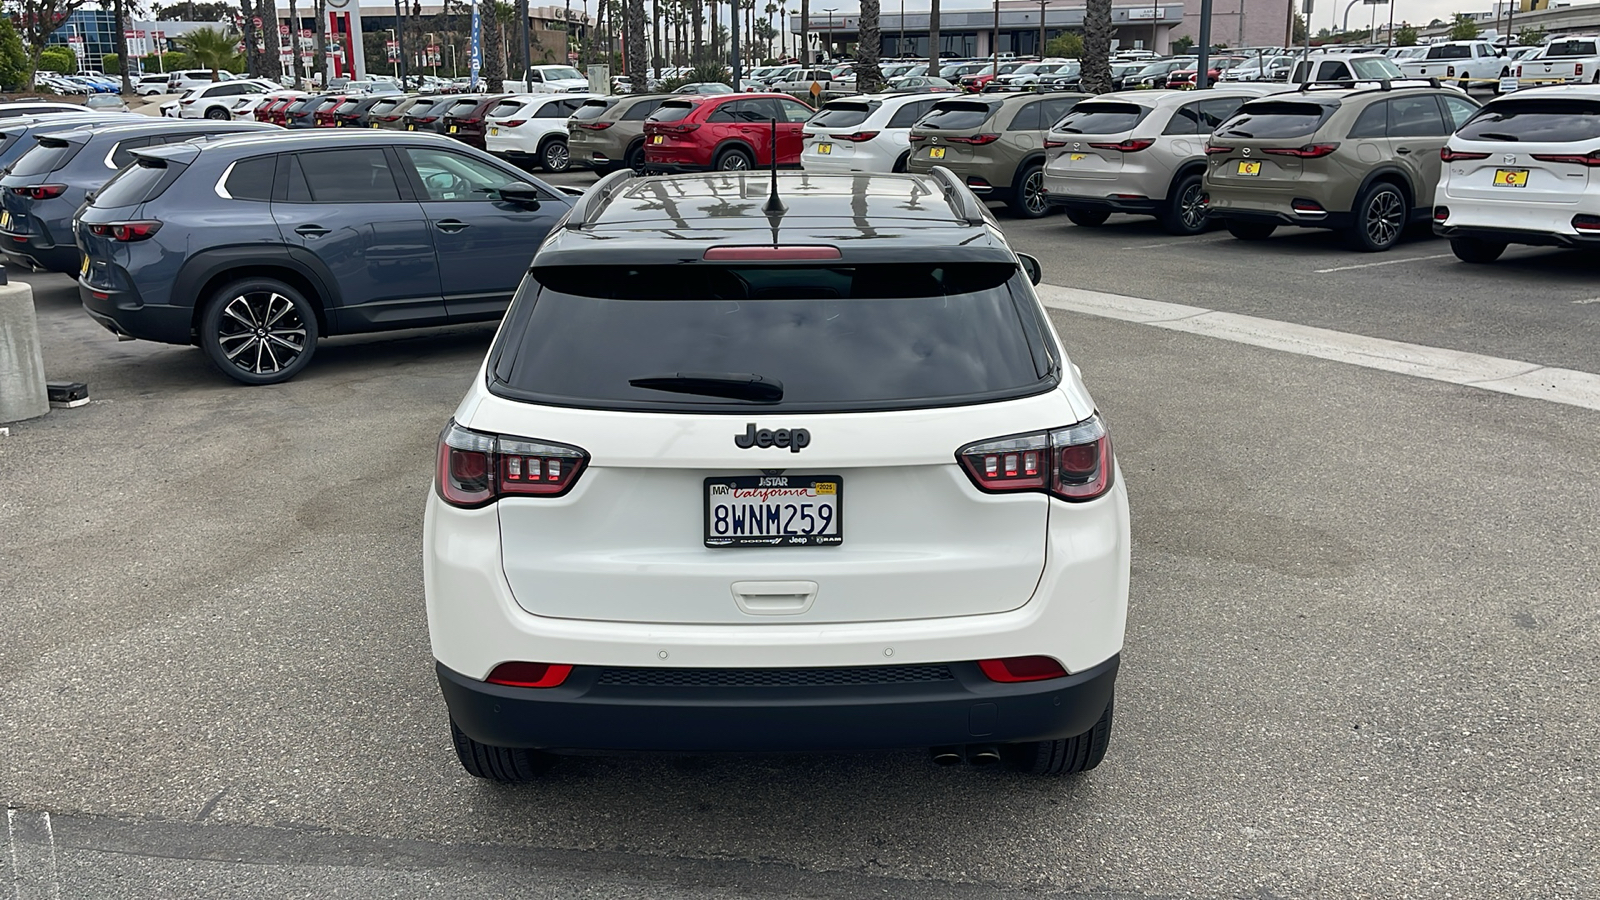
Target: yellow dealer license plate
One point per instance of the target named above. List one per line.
(494, 131)
(1249, 168)
(656, 139)
(825, 149)
(452, 129)
(5, 220)
(374, 124)
(84, 269)
(411, 128)
(1511, 177)
(1077, 157)
(936, 153)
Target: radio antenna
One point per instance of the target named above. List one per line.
(774, 205)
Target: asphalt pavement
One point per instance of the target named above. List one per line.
(1362, 652)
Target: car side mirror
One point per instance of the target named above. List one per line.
(522, 194)
(1031, 266)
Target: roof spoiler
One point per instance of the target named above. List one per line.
(966, 205)
(594, 199)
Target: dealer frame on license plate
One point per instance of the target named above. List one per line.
(825, 149)
(936, 153)
(1516, 178)
(1249, 167)
(655, 139)
(774, 511)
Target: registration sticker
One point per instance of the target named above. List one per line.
(1511, 178)
(1249, 168)
(825, 149)
(936, 153)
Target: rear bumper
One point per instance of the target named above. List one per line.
(25, 250)
(592, 712)
(1143, 206)
(1517, 236)
(122, 313)
(1320, 220)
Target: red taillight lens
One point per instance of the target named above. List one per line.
(856, 137)
(1577, 68)
(477, 469)
(1448, 155)
(529, 674)
(977, 139)
(918, 138)
(1590, 224)
(126, 232)
(771, 254)
(680, 128)
(426, 119)
(1577, 159)
(1519, 71)
(1073, 463)
(1308, 151)
(1450, 71)
(1015, 669)
(592, 126)
(40, 191)
(1213, 150)
(1053, 145)
(1128, 146)
(513, 123)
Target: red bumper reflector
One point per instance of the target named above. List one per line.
(1015, 669)
(529, 675)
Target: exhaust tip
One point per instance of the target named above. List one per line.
(945, 756)
(983, 754)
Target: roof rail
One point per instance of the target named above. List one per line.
(965, 204)
(594, 199)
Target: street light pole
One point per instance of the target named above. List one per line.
(830, 11)
(399, 44)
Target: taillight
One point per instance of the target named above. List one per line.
(1128, 146)
(472, 121)
(1519, 71)
(1450, 71)
(1073, 463)
(1441, 213)
(1586, 223)
(529, 674)
(918, 138)
(1308, 151)
(1053, 145)
(1577, 159)
(426, 119)
(592, 126)
(977, 139)
(187, 102)
(513, 123)
(1016, 669)
(126, 232)
(855, 137)
(40, 191)
(1213, 149)
(1577, 68)
(1448, 155)
(476, 469)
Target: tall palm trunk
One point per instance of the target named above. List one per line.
(122, 45)
(494, 51)
(638, 55)
(697, 21)
(933, 40)
(319, 59)
(868, 76)
(1097, 31)
(294, 43)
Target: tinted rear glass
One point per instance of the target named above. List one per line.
(130, 187)
(44, 158)
(1570, 48)
(842, 115)
(956, 115)
(251, 179)
(591, 109)
(505, 108)
(641, 110)
(672, 112)
(863, 337)
(1531, 121)
(1098, 117)
(1450, 51)
(1276, 119)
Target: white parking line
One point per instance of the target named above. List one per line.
(1491, 373)
(1586, 302)
(1176, 242)
(1387, 262)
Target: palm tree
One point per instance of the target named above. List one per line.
(1097, 31)
(933, 38)
(493, 44)
(772, 9)
(805, 30)
(210, 48)
(868, 76)
(638, 55)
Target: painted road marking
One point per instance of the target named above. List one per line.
(1586, 302)
(1490, 373)
(42, 881)
(1387, 262)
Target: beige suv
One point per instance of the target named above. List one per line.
(1364, 162)
(996, 144)
(607, 133)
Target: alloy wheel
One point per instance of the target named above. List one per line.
(1033, 192)
(1385, 215)
(1192, 208)
(734, 162)
(556, 157)
(261, 332)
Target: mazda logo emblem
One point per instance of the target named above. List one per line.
(1510, 158)
(1247, 151)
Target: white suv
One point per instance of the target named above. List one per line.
(217, 101)
(182, 80)
(864, 133)
(818, 479)
(532, 128)
(1525, 169)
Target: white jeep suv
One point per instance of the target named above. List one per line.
(819, 479)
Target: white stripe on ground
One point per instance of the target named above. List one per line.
(1490, 373)
(1387, 262)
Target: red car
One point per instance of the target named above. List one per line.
(463, 120)
(324, 117)
(977, 81)
(1183, 79)
(696, 132)
(274, 109)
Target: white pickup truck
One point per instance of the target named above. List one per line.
(1461, 61)
(1573, 59)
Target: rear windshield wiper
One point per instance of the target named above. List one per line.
(732, 385)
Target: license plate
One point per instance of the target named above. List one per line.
(774, 511)
(1076, 157)
(655, 139)
(452, 129)
(411, 128)
(5, 219)
(84, 269)
(494, 131)
(374, 124)
(936, 153)
(1511, 178)
(825, 149)
(1249, 168)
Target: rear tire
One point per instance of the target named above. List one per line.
(1070, 756)
(733, 160)
(900, 164)
(554, 156)
(508, 765)
(1250, 231)
(1087, 218)
(259, 331)
(1473, 250)
(635, 158)
(1028, 198)
(1185, 214)
(217, 113)
(1381, 215)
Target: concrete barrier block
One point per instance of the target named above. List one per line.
(23, 394)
